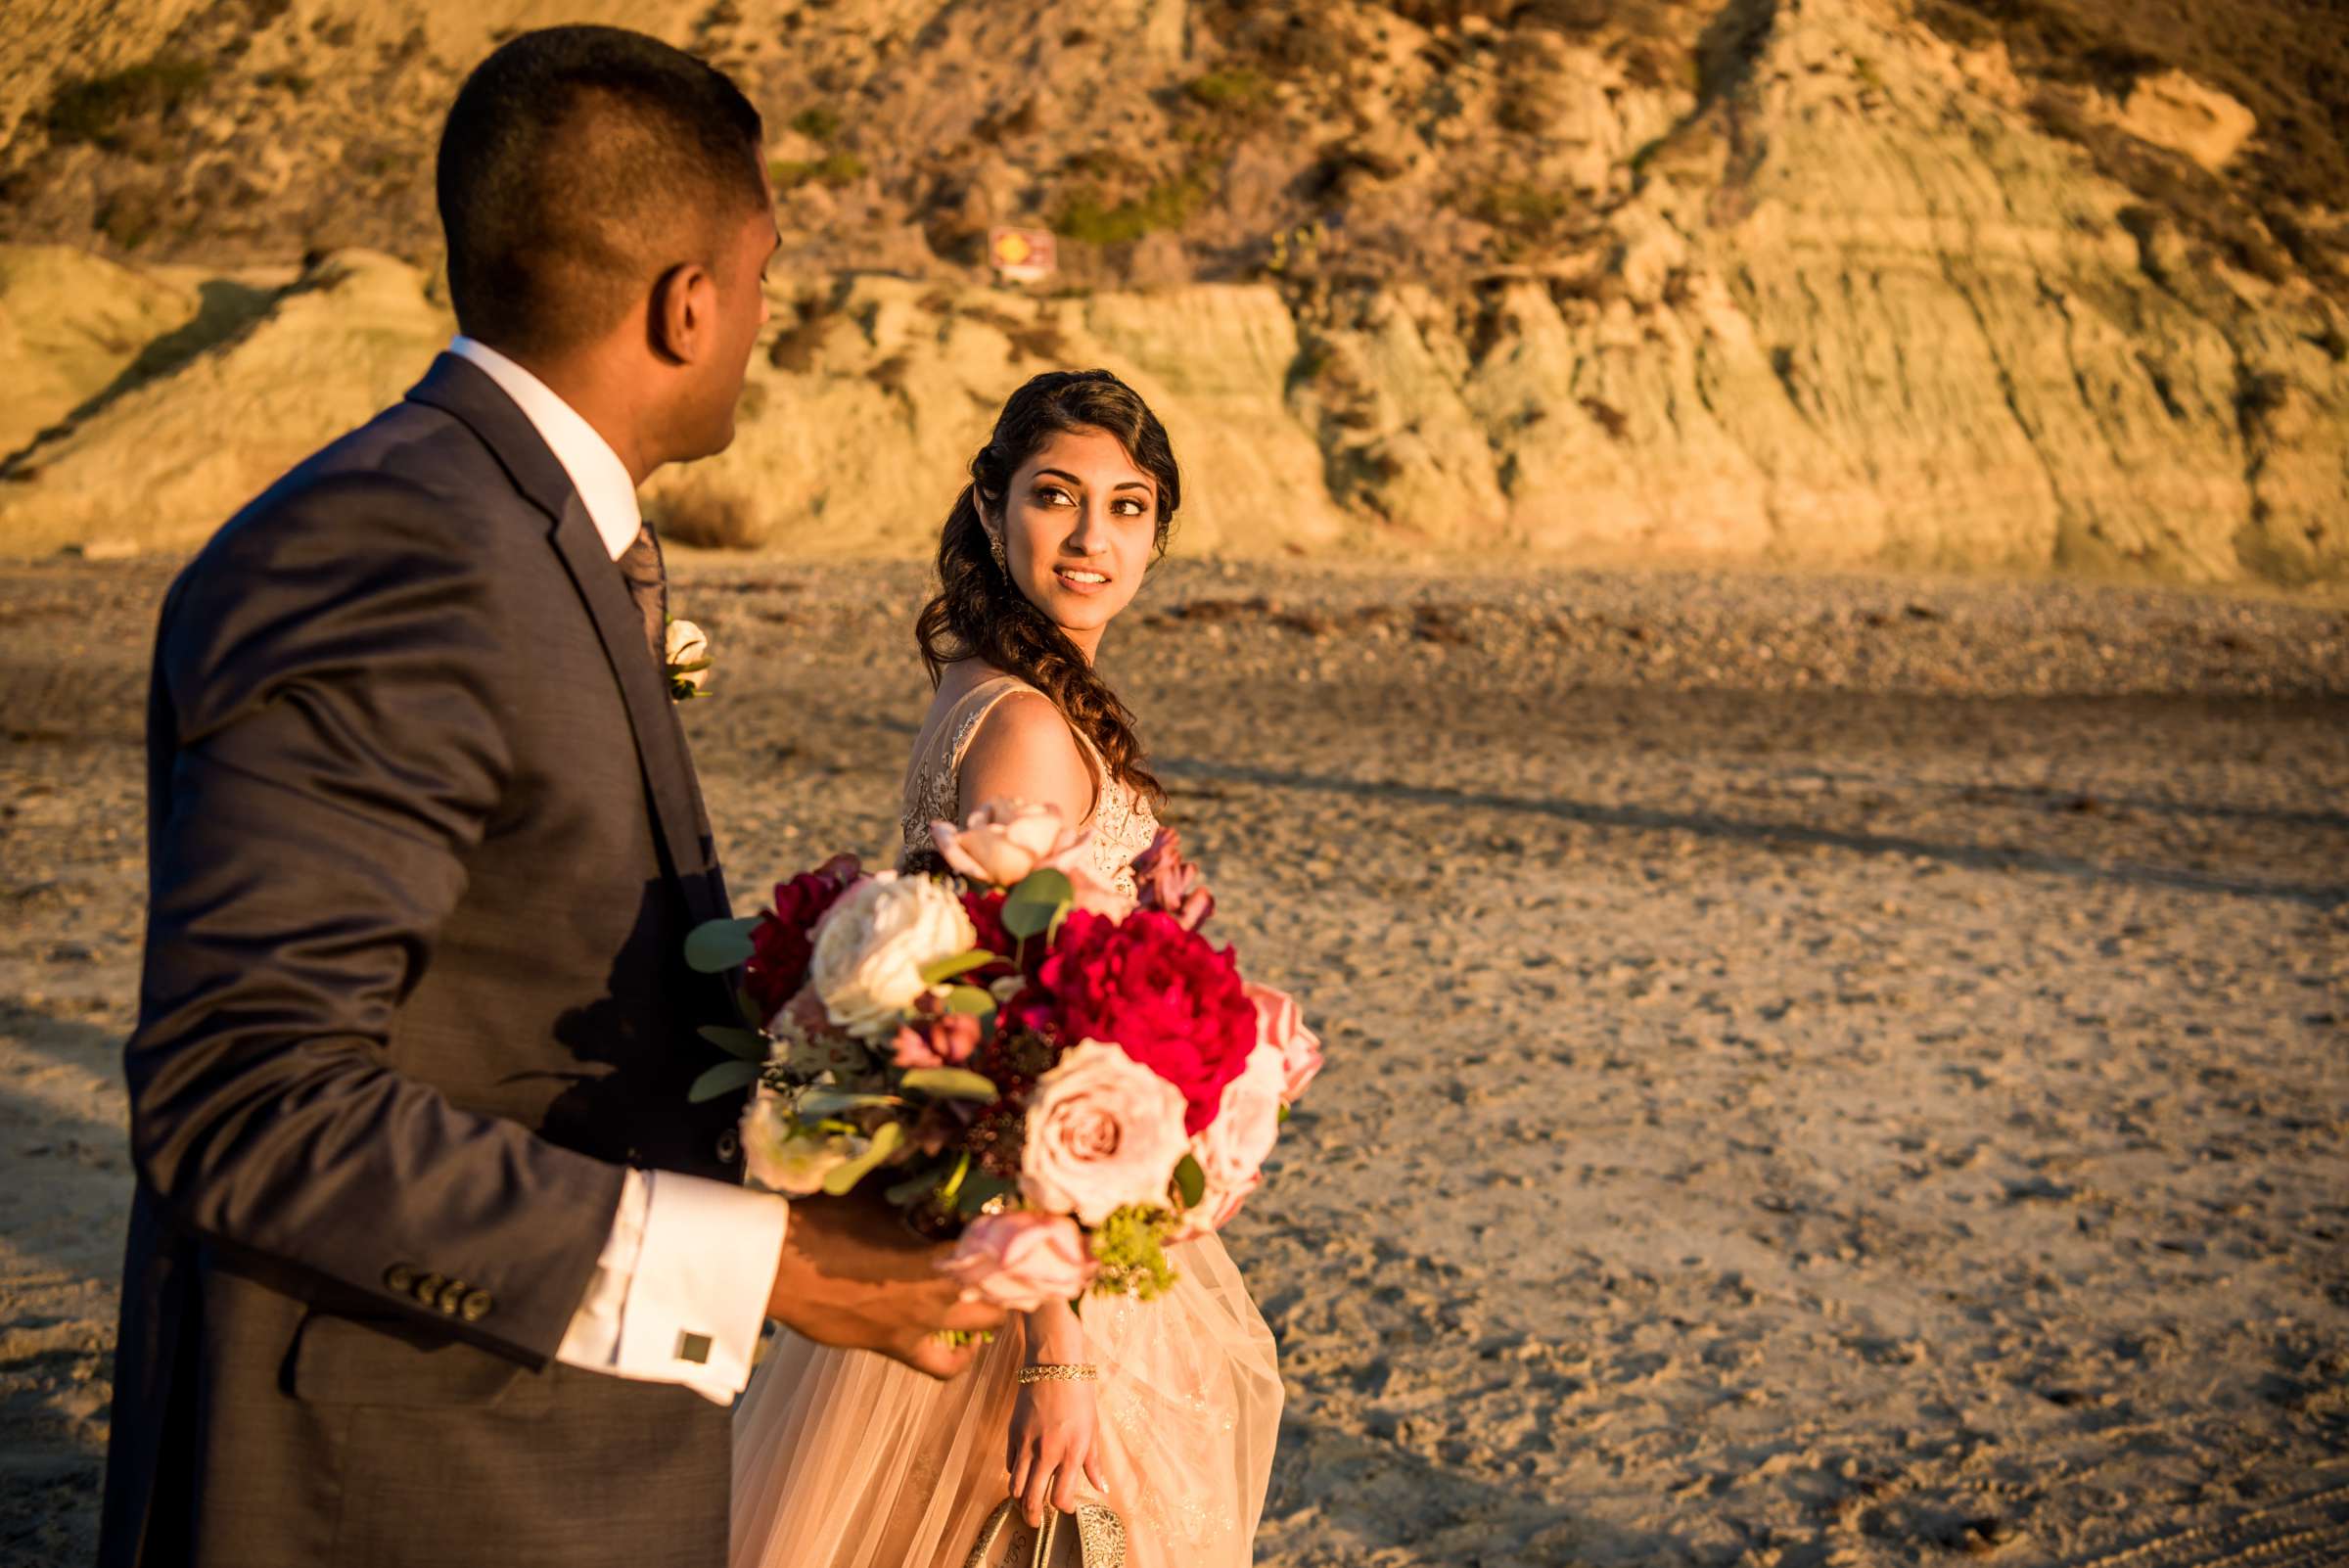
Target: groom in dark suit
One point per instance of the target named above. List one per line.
(430, 1261)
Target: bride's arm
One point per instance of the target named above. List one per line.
(1026, 751)
(1055, 1426)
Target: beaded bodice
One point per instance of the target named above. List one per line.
(1123, 821)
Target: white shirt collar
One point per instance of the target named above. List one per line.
(596, 471)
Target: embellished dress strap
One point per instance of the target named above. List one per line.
(932, 788)
(1123, 822)
(965, 717)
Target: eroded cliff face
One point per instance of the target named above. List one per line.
(1860, 308)
(1837, 297)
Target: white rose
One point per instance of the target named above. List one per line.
(688, 644)
(791, 1161)
(871, 945)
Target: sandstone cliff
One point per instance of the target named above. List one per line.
(1795, 284)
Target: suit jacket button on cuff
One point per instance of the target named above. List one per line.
(428, 1286)
(400, 1280)
(452, 1294)
(476, 1306)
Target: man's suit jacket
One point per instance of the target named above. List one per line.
(425, 844)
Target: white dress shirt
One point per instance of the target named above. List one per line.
(679, 1292)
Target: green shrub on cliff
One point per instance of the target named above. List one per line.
(98, 109)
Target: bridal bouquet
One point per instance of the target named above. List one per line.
(1065, 1077)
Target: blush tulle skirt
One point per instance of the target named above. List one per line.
(844, 1459)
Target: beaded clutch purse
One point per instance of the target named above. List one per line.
(1094, 1537)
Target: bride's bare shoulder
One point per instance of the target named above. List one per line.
(1024, 749)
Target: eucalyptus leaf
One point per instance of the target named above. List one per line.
(1190, 1181)
(723, 1078)
(832, 1101)
(953, 1083)
(842, 1178)
(716, 946)
(1040, 899)
(938, 971)
(970, 999)
(747, 1043)
(1045, 885)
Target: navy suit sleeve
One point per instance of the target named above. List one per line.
(329, 672)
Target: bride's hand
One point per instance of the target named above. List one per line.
(1054, 1427)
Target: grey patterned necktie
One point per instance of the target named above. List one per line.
(648, 585)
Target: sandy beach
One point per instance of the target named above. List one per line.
(1825, 1070)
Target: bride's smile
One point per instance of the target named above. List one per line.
(1080, 526)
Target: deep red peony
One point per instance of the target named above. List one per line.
(1175, 1003)
(984, 906)
(779, 942)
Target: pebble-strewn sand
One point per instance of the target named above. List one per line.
(1823, 1071)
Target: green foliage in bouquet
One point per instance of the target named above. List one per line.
(715, 946)
(1131, 1246)
(842, 1178)
(745, 1049)
(938, 971)
(1190, 1181)
(951, 1084)
(1038, 904)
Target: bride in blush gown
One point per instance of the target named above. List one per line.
(847, 1460)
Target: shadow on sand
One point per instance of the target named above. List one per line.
(1654, 820)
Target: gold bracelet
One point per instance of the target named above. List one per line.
(1058, 1373)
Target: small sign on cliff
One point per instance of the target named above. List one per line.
(1022, 256)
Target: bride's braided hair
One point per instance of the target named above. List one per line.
(980, 612)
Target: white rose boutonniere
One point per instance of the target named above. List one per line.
(688, 660)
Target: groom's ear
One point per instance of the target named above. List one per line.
(681, 318)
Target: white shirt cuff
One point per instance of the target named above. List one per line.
(679, 1292)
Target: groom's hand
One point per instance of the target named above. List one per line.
(852, 1275)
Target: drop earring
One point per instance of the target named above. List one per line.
(995, 547)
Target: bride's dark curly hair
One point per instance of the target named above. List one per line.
(980, 612)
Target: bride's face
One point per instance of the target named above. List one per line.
(1079, 520)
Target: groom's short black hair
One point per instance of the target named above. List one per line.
(577, 163)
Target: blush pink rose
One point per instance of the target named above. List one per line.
(1087, 890)
(1231, 1149)
(1002, 841)
(804, 1012)
(1170, 883)
(1021, 1260)
(1279, 1025)
(1103, 1132)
